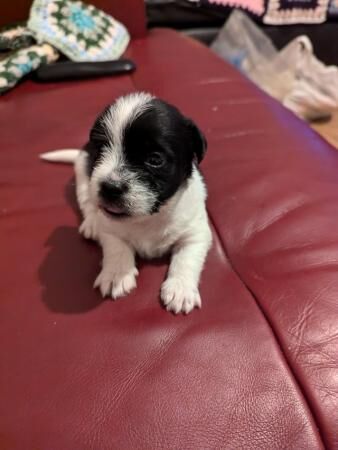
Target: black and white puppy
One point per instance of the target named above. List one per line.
(140, 192)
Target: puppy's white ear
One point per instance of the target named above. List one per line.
(198, 141)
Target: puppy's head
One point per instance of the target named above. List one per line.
(141, 152)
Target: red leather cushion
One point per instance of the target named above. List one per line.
(256, 367)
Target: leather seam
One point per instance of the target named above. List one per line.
(277, 340)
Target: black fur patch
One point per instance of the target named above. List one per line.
(98, 139)
(160, 129)
(160, 145)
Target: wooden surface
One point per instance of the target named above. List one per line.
(328, 129)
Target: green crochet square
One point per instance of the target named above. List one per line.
(21, 62)
(82, 32)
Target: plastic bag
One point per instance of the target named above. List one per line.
(294, 75)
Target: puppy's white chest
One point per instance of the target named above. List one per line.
(153, 245)
(148, 240)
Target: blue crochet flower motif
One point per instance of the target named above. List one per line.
(79, 30)
(25, 68)
(81, 19)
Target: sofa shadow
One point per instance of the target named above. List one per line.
(68, 271)
(70, 196)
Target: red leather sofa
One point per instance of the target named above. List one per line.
(256, 367)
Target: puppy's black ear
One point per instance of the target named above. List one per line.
(98, 132)
(97, 141)
(197, 139)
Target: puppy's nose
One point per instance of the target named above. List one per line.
(112, 190)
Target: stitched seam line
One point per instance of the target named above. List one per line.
(266, 317)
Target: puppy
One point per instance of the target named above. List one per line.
(140, 192)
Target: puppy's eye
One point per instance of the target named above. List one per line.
(155, 160)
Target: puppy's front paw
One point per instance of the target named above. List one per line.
(88, 227)
(180, 296)
(116, 284)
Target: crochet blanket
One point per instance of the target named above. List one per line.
(277, 12)
(69, 27)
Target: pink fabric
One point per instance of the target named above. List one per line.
(255, 6)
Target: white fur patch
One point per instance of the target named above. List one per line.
(178, 296)
(181, 226)
(124, 111)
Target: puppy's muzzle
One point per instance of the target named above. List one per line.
(111, 197)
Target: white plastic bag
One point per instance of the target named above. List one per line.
(242, 43)
(294, 75)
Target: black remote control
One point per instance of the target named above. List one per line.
(69, 70)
